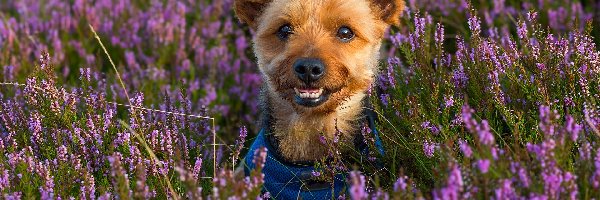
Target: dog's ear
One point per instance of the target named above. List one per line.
(248, 11)
(389, 10)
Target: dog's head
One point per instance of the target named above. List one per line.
(315, 54)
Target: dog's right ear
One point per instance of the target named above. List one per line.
(248, 11)
(389, 10)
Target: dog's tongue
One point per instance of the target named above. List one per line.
(308, 90)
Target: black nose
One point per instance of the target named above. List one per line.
(309, 69)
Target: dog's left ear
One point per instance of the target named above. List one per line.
(389, 10)
(248, 11)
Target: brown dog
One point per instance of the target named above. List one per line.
(318, 58)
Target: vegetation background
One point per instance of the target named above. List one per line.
(481, 99)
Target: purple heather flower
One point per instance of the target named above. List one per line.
(358, 188)
(316, 173)
(449, 101)
(47, 190)
(571, 185)
(322, 139)
(439, 34)
(415, 37)
(485, 135)
(88, 187)
(569, 102)
(105, 196)
(44, 60)
(260, 157)
(572, 128)
(461, 50)
(85, 74)
(521, 172)
(62, 153)
(240, 142)
(392, 62)
(459, 77)
(499, 7)
(467, 117)
(553, 180)
(13, 196)
(522, 30)
(454, 185)
(541, 66)
(266, 195)
(35, 126)
(483, 165)
(585, 151)
(546, 118)
(474, 25)
(4, 180)
(495, 152)
(8, 71)
(400, 184)
(464, 148)
(431, 127)
(505, 191)
(429, 148)
(455, 176)
(385, 98)
(197, 167)
(596, 176)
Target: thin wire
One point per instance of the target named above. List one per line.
(119, 104)
(147, 109)
(214, 148)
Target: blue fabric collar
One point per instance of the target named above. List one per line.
(293, 181)
(285, 181)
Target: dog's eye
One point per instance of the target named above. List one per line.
(285, 31)
(345, 34)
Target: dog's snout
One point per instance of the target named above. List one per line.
(309, 69)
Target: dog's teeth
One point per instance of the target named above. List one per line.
(306, 94)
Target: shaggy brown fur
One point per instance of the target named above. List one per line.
(350, 67)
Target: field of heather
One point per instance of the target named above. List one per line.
(138, 99)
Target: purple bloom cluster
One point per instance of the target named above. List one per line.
(79, 133)
(596, 176)
(429, 148)
(453, 187)
(170, 45)
(529, 81)
(358, 189)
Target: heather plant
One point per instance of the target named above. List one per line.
(158, 46)
(504, 116)
(61, 144)
(479, 99)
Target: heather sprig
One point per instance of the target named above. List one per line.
(524, 106)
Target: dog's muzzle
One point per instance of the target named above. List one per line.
(309, 71)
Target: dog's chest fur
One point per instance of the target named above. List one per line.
(298, 134)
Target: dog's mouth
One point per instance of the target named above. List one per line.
(311, 97)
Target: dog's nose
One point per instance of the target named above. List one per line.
(309, 69)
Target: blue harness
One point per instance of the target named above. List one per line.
(296, 181)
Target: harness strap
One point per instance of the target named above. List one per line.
(287, 180)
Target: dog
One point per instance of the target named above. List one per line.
(318, 59)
